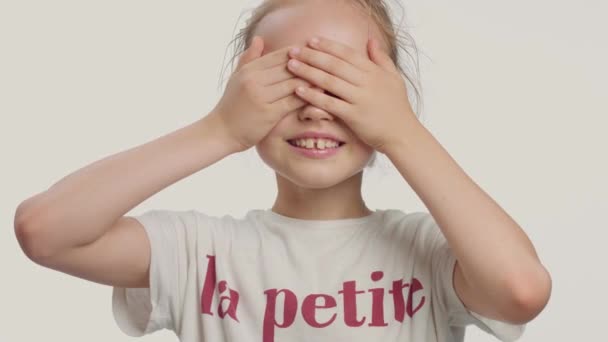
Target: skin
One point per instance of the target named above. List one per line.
(498, 273)
(310, 188)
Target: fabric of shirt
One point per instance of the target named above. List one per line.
(267, 277)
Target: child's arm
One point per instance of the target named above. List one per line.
(498, 273)
(76, 226)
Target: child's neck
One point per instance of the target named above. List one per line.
(341, 201)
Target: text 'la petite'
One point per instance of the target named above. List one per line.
(228, 303)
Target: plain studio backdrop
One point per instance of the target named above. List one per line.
(515, 91)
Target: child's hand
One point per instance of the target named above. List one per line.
(259, 93)
(371, 96)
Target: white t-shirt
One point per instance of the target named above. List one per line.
(268, 277)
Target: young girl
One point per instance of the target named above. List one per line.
(319, 265)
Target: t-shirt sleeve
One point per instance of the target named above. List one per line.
(443, 263)
(172, 237)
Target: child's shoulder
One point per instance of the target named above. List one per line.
(399, 217)
(187, 218)
(419, 226)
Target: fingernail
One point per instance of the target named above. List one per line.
(314, 41)
(294, 50)
(294, 63)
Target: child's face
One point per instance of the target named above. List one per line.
(294, 25)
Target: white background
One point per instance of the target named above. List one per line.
(515, 91)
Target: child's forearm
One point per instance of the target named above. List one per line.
(79, 208)
(495, 255)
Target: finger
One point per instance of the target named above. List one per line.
(252, 52)
(380, 57)
(342, 51)
(279, 90)
(288, 104)
(271, 59)
(330, 64)
(275, 75)
(323, 101)
(324, 80)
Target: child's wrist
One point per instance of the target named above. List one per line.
(214, 125)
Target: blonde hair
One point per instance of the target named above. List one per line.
(378, 11)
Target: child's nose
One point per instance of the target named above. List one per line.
(310, 112)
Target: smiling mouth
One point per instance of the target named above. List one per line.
(293, 143)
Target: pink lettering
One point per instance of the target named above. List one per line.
(208, 286)
(349, 291)
(232, 299)
(290, 308)
(377, 302)
(309, 309)
(312, 303)
(399, 301)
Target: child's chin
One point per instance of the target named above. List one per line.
(315, 180)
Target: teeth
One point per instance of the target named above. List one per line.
(319, 143)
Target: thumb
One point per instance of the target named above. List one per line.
(379, 57)
(253, 51)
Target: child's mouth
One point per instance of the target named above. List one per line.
(317, 150)
(293, 143)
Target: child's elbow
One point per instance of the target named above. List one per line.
(531, 296)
